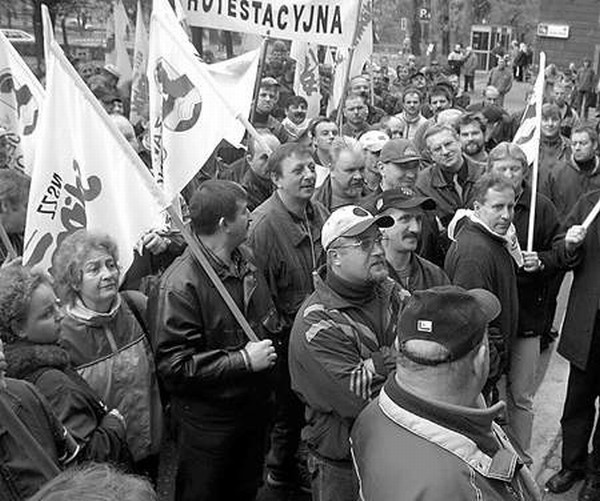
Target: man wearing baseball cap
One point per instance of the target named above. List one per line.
(371, 143)
(432, 411)
(341, 344)
(401, 240)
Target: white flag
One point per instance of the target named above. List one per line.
(362, 54)
(191, 103)
(21, 97)
(85, 174)
(528, 134)
(306, 77)
(182, 17)
(138, 109)
(118, 34)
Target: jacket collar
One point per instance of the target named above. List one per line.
(297, 232)
(23, 358)
(473, 438)
(439, 181)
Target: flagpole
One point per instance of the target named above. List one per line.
(340, 116)
(536, 160)
(261, 67)
(212, 274)
(10, 250)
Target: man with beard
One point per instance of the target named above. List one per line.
(285, 235)
(412, 118)
(401, 240)
(360, 86)
(268, 96)
(471, 133)
(323, 132)
(355, 116)
(483, 256)
(346, 182)
(295, 121)
(569, 118)
(568, 182)
(450, 180)
(341, 345)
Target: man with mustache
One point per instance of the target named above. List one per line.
(346, 182)
(285, 235)
(401, 240)
(483, 256)
(341, 344)
(295, 121)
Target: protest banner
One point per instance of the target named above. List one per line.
(94, 180)
(118, 32)
(138, 108)
(21, 98)
(193, 106)
(322, 22)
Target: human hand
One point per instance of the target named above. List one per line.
(261, 355)
(575, 237)
(154, 242)
(531, 261)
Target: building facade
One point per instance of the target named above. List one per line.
(569, 31)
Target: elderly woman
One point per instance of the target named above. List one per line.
(103, 333)
(29, 327)
(537, 286)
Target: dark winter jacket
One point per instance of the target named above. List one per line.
(478, 259)
(423, 275)
(339, 360)
(20, 474)
(584, 300)
(100, 435)
(199, 350)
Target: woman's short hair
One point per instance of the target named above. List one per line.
(96, 482)
(213, 200)
(17, 284)
(507, 151)
(67, 264)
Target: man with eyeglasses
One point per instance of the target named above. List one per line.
(401, 240)
(341, 344)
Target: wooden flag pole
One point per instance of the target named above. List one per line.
(261, 68)
(212, 275)
(539, 85)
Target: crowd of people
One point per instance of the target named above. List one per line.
(380, 260)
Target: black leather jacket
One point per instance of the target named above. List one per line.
(199, 342)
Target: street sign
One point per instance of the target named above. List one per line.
(424, 14)
(553, 30)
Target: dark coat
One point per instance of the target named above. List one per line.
(478, 259)
(199, 349)
(536, 291)
(582, 308)
(20, 475)
(100, 435)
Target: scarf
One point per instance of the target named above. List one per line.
(511, 243)
(82, 312)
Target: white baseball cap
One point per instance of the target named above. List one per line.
(373, 140)
(351, 221)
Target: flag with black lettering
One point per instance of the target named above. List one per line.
(85, 175)
(21, 98)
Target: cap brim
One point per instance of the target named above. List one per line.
(382, 221)
(425, 203)
(488, 302)
(404, 161)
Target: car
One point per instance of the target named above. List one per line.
(19, 36)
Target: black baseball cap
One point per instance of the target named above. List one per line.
(402, 198)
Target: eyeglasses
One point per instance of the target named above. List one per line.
(366, 244)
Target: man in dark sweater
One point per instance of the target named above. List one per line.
(483, 256)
